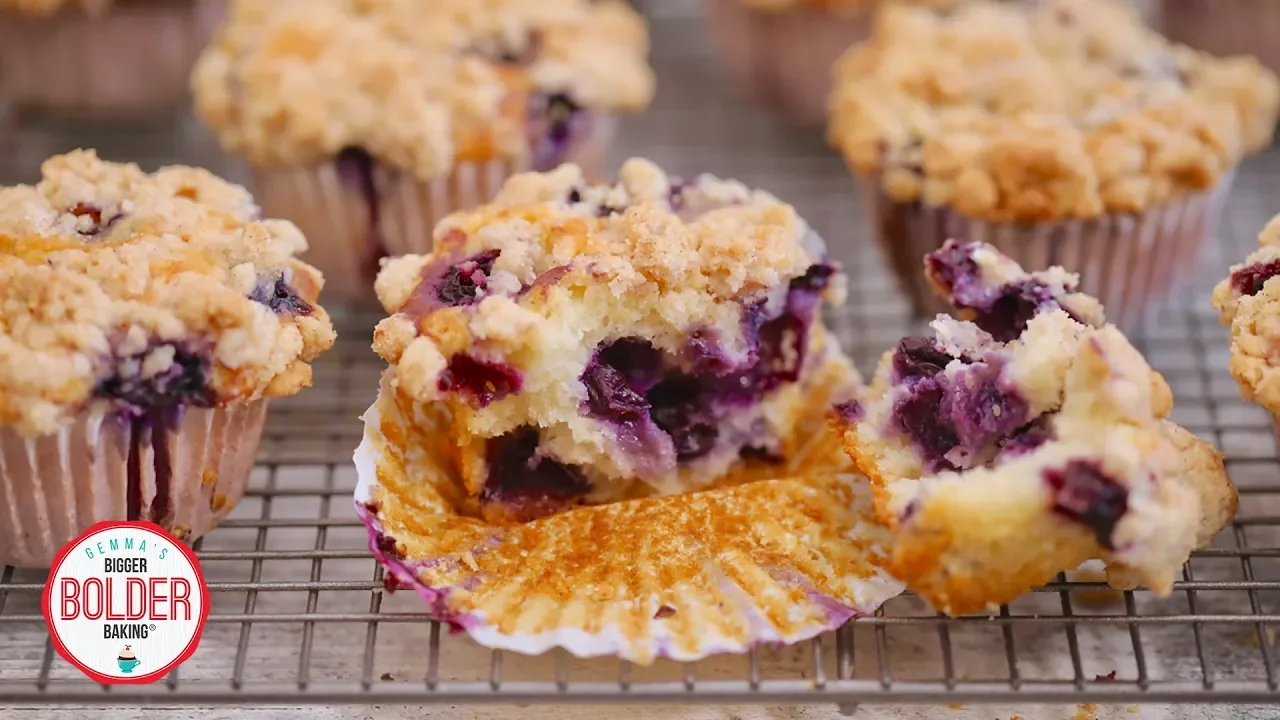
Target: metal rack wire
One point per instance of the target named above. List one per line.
(301, 616)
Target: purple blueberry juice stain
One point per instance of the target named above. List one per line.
(483, 381)
(554, 121)
(1249, 281)
(1027, 438)
(529, 485)
(450, 282)
(1083, 493)
(281, 298)
(355, 167)
(850, 410)
(150, 410)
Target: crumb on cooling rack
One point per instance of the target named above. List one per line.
(126, 290)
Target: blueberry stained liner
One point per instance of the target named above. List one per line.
(1039, 418)
(645, 411)
(145, 321)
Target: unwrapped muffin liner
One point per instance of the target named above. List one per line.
(54, 487)
(681, 577)
(1130, 262)
(1225, 27)
(348, 231)
(784, 59)
(128, 62)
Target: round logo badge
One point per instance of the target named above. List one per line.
(125, 603)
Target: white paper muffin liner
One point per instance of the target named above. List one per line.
(784, 59)
(131, 61)
(1131, 263)
(54, 487)
(349, 227)
(681, 577)
(1225, 27)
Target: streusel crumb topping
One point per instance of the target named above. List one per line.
(1249, 302)
(128, 292)
(1023, 112)
(415, 84)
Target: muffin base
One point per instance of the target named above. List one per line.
(53, 488)
(774, 553)
(1131, 263)
(129, 62)
(784, 59)
(1225, 27)
(350, 228)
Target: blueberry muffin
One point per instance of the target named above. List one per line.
(1063, 132)
(367, 122)
(1032, 414)
(145, 320)
(604, 422)
(101, 59)
(1249, 304)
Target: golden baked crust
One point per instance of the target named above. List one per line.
(1248, 301)
(1044, 423)
(415, 84)
(120, 288)
(1024, 112)
(642, 333)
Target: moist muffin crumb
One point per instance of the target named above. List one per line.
(123, 291)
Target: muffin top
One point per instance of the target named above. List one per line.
(636, 336)
(1023, 112)
(1249, 301)
(417, 85)
(126, 292)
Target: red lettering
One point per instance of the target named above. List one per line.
(112, 614)
(181, 596)
(135, 588)
(92, 601)
(157, 596)
(70, 599)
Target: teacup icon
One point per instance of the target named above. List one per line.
(127, 660)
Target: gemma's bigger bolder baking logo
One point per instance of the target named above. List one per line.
(125, 602)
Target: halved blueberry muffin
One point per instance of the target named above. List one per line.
(599, 342)
(145, 319)
(368, 122)
(604, 426)
(1030, 436)
(1250, 305)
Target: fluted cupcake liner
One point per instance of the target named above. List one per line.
(784, 59)
(355, 211)
(1131, 262)
(131, 61)
(1225, 27)
(185, 474)
(750, 562)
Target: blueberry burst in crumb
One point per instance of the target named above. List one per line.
(1025, 438)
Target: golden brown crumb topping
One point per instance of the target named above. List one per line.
(415, 84)
(124, 291)
(1040, 111)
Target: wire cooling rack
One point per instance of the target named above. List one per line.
(300, 614)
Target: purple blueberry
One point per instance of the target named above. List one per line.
(281, 298)
(526, 483)
(483, 381)
(1250, 280)
(919, 415)
(918, 357)
(1027, 438)
(356, 168)
(683, 411)
(462, 282)
(185, 382)
(1082, 492)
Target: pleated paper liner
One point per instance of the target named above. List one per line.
(354, 216)
(183, 474)
(783, 59)
(749, 562)
(129, 62)
(1132, 263)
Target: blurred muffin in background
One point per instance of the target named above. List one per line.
(367, 121)
(1063, 132)
(101, 60)
(1226, 27)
